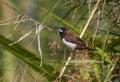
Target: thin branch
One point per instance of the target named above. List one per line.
(64, 67)
(91, 16)
(38, 30)
(75, 10)
(15, 32)
(97, 25)
(73, 78)
(17, 23)
(14, 22)
(89, 5)
(67, 2)
(9, 19)
(21, 38)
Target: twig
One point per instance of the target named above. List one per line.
(97, 25)
(67, 2)
(76, 9)
(38, 30)
(17, 23)
(73, 78)
(21, 38)
(64, 67)
(88, 21)
(89, 5)
(15, 32)
(9, 19)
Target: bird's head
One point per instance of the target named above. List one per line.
(61, 30)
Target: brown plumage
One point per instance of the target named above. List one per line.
(71, 40)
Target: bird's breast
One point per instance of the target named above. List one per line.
(69, 44)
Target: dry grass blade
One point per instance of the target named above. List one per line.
(17, 23)
(14, 22)
(21, 38)
(89, 5)
(7, 20)
(38, 30)
(88, 21)
(75, 10)
(64, 67)
(97, 25)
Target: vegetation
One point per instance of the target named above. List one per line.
(31, 50)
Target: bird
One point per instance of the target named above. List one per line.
(71, 40)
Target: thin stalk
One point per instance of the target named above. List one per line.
(88, 21)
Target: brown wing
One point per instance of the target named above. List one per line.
(74, 39)
(70, 37)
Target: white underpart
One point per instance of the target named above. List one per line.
(69, 44)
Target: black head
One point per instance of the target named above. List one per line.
(61, 30)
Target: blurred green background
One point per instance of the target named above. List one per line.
(20, 62)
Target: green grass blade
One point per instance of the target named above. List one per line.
(29, 58)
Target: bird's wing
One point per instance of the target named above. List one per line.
(74, 39)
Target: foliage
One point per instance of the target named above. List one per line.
(97, 21)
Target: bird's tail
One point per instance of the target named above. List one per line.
(87, 48)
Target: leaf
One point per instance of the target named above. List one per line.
(29, 58)
(113, 44)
